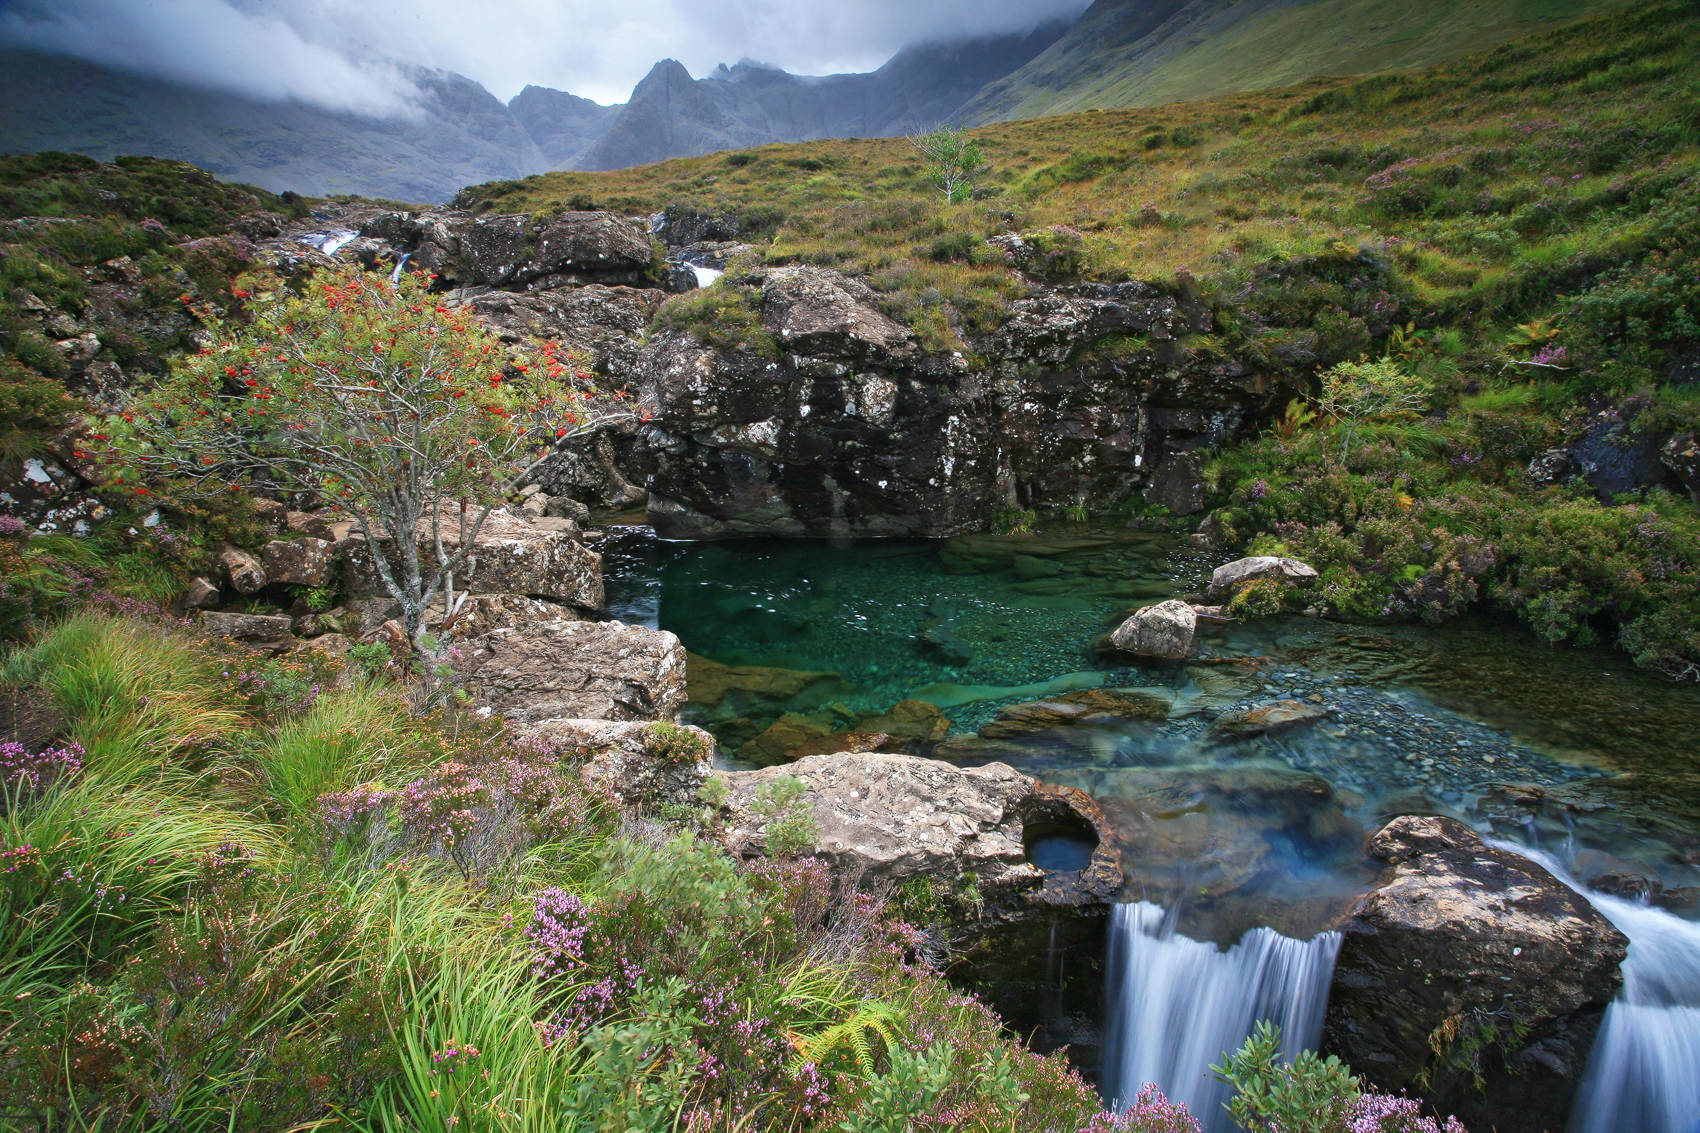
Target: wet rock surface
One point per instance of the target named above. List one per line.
(1470, 959)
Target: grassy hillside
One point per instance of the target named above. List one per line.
(1251, 45)
(1516, 229)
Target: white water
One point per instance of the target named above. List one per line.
(1180, 1005)
(400, 266)
(328, 241)
(1644, 1073)
(706, 276)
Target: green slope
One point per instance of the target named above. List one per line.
(1115, 58)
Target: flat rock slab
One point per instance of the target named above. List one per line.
(1087, 706)
(257, 631)
(576, 670)
(897, 816)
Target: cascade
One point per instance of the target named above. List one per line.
(400, 266)
(1644, 1073)
(1177, 1005)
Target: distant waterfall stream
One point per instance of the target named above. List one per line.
(1179, 1004)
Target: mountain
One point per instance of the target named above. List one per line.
(1150, 52)
(462, 132)
(673, 115)
(561, 124)
(464, 135)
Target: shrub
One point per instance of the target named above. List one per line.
(723, 315)
(789, 818)
(1307, 1095)
(668, 743)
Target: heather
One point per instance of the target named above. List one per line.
(234, 912)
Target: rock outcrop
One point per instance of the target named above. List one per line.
(1469, 959)
(852, 429)
(617, 756)
(509, 556)
(1229, 578)
(568, 670)
(890, 817)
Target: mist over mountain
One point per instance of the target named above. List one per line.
(443, 130)
(458, 133)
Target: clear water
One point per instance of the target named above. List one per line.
(1240, 855)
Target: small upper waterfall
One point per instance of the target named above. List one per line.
(1644, 1073)
(1177, 1005)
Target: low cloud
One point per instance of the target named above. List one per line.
(211, 44)
(344, 54)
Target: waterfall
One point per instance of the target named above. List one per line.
(1643, 1075)
(400, 266)
(705, 276)
(1178, 1005)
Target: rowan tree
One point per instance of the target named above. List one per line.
(373, 394)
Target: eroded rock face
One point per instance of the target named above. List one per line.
(853, 430)
(1460, 937)
(603, 326)
(567, 248)
(566, 670)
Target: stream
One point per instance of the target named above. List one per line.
(1248, 852)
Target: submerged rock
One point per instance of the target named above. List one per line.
(1164, 631)
(1267, 719)
(909, 719)
(710, 682)
(1469, 959)
(1087, 706)
(781, 738)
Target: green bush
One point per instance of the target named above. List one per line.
(722, 315)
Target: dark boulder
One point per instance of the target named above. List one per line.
(1467, 961)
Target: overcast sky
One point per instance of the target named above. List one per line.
(339, 53)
